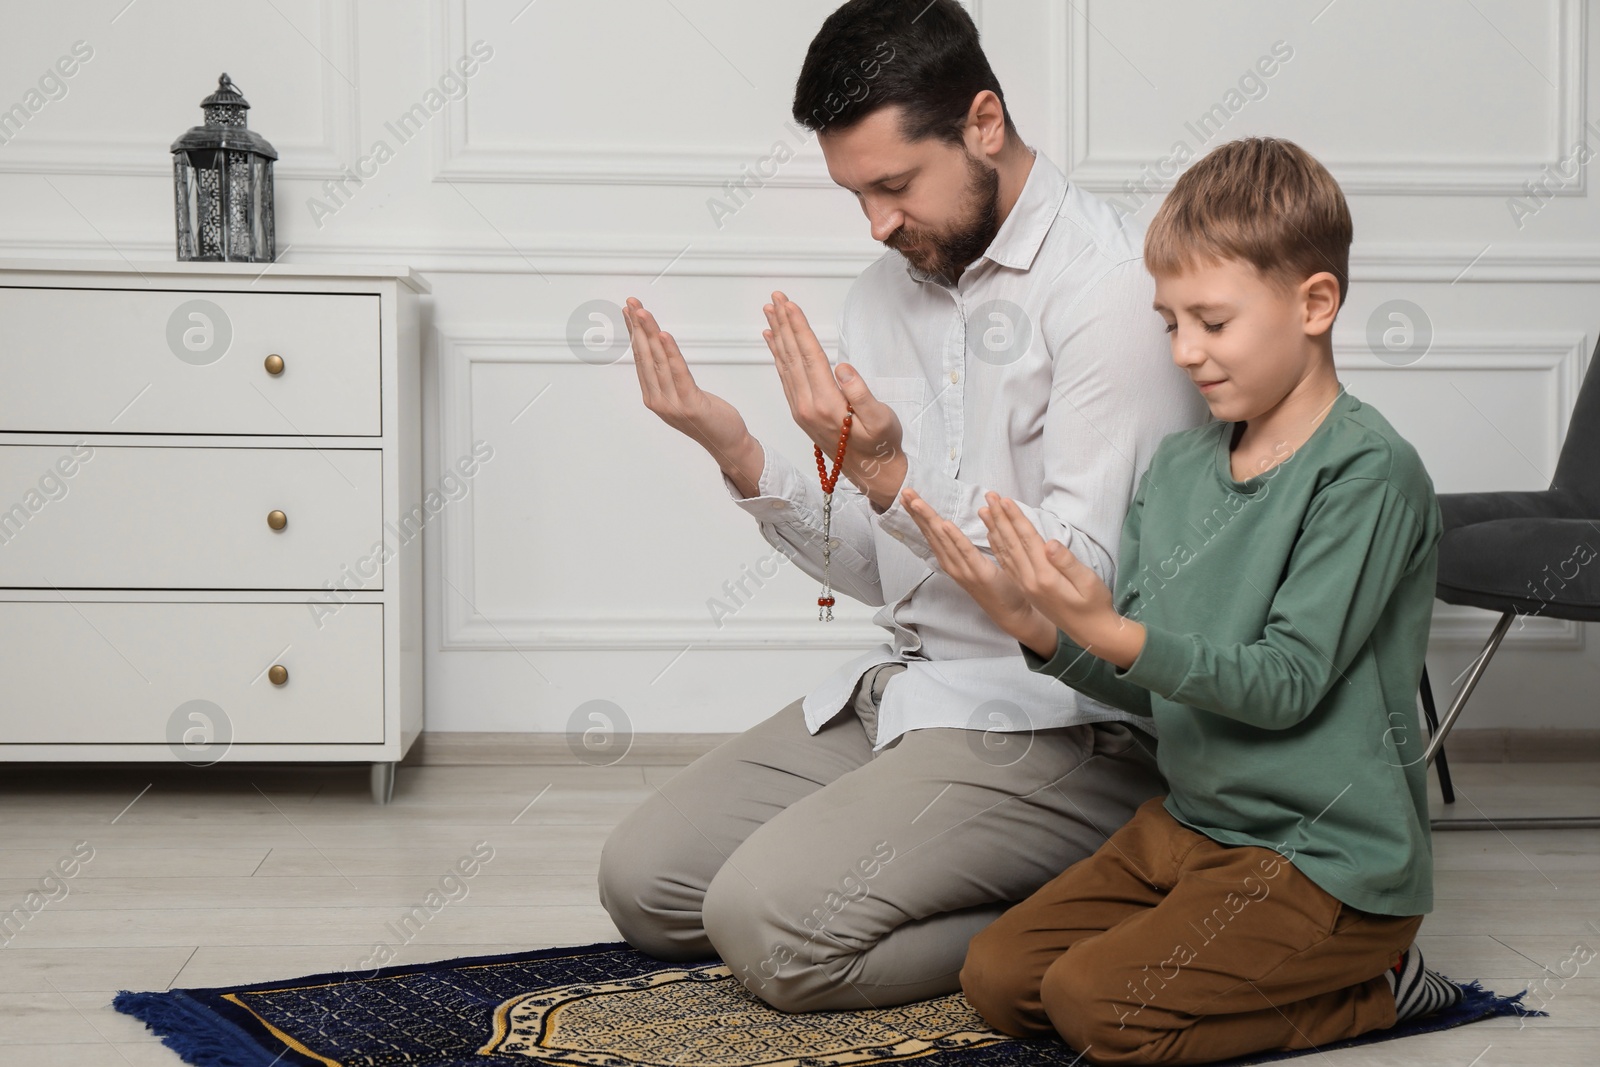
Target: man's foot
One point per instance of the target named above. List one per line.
(1417, 990)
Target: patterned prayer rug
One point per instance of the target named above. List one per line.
(603, 1005)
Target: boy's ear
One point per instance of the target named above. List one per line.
(1320, 297)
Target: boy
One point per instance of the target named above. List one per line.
(1274, 593)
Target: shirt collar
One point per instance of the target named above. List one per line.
(1019, 237)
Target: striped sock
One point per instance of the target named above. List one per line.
(1417, 990)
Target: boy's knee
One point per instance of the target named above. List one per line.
(1083, 1004)
(995, 986)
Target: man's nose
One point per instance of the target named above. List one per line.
(884, 223)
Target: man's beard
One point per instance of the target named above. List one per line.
(945, 254)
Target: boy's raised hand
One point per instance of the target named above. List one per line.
(1060, 586)
(987, 584)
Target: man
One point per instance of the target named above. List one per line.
(841, 853)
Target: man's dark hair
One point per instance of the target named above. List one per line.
(921, 55)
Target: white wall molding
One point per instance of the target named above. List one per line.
(38, 153)
(755, 257)
(1385, 177)
(1506, 261)
(1560, 355)
(466, 628)
(1563, 357)
(459, 160)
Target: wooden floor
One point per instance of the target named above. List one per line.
(250, 873)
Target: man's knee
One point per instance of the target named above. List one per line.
(736, 932)
(1088, 1009)
(776, 960)
(995, 986)
(655, 914)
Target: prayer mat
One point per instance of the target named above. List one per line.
(601, 1005)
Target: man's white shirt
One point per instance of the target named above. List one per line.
(1043, 375)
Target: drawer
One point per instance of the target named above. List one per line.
(102, 672)
(125, 517)
(165, 361)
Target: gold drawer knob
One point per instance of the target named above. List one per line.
(277, 674)
(274, 364)
(277, 520)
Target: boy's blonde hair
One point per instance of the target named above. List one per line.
(1262, 200)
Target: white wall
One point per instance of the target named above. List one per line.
(579, 164)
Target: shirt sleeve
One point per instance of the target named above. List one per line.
(1114, 395)
(789, 511)
(1360, 537)
(788, 507)
(1088, 674)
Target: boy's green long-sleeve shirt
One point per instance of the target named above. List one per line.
(1286, 618)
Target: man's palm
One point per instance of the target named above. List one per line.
(670, 389)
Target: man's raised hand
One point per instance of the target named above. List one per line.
(670, 391)
(817, 399)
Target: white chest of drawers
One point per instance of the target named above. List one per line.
(211, 513)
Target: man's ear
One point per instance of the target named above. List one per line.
(986, 118)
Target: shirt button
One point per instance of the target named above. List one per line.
(952, 453)
(897, 535)
(833, 542)
(777, 503)
(954, 376)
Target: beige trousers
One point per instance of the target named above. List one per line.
(827, 876)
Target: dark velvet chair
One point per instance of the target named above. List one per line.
(1523, 553)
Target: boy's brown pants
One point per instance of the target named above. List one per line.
(1165, 946)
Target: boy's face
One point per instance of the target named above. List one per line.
(1245, 342)
(935, 204)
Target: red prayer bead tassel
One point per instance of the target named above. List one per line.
(825, 602)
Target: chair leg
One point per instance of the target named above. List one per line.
(1474, 673)
(1435, 745)
(1432, 714)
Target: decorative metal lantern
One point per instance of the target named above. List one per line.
(223, 177)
